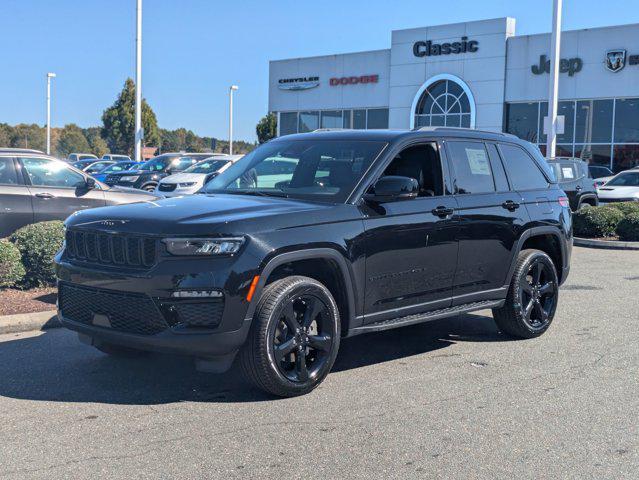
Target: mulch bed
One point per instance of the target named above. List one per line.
(27, 301)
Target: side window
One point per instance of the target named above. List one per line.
(523, 172)
(501, 181)
(50, 173)
(423, 163)
(471, 164)
(8, 174)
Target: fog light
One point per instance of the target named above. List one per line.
(197, 294)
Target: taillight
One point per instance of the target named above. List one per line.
(563, 201)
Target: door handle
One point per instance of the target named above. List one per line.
(442, 212)
(579, 188)
(44, 195)
(510, 205)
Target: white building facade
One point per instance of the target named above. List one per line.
(479, 75)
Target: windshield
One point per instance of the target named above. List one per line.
(630, 179)
(118, 167)
(208, 166)
(324, 170)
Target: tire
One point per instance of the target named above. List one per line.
(294, 338)
(118, 351)
(532, 298)
(148, 188)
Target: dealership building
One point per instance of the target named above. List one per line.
(476, 74)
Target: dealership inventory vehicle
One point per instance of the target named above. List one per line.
(98, 166)
(193, 178)
(372, 230)
(116, 158)
(148, 175)
(599, 171)
(35, 187)
(623, 187)
(574, 178)
(114, 168)
(76, 157)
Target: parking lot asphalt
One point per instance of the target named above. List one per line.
(447, 399)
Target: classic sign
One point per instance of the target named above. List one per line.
(428, 48)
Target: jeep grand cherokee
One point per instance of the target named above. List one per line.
(367, 231)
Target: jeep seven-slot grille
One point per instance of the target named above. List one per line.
(126, 312)
(111, 249)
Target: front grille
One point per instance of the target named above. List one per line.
(127, 312)
(167, 187)
(111, 249)
(201, 314)
(111, 180)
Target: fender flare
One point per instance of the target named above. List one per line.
(306, 254)
(588, 196)
(533, 232)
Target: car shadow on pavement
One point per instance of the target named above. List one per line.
(53, 366)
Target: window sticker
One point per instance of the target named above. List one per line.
(478, 161)
(567, 172)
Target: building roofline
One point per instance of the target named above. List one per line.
(329, 55)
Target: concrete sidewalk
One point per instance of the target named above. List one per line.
(25, 322)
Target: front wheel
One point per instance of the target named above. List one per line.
(294, 338)
(149, 188)
(532, 297)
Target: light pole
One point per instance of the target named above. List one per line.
(49, 77)
(553, 89)
(139, 133)
(231, 90)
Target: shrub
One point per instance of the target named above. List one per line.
(626, 207)
(38, 243)
(597, 222)
(11, 268)
(628, 228)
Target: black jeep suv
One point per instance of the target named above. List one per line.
(353, 232)
(574, 178)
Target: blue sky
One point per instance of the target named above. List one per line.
(194, 49)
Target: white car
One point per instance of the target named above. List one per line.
(195, 177)
(623, 187)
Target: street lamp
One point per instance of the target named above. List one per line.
(231, 90)
(49, 77)
(553, 87)
(139, 133)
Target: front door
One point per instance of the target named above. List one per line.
(57, 191)
(411, 245)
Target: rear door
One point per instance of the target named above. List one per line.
(490, 216)
(57, 190)
(15, 199)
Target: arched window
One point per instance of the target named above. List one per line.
(444, 101)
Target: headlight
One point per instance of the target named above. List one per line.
(186, 184)
(129, 178)
(202, 246)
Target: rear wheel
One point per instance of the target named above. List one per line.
(532, 297)
(294, 338)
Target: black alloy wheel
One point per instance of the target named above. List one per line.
(538, 295)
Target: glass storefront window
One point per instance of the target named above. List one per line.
(594, 154)
(347, 119)
(521, 120)
(331, 119)
(288, 123)
(567, 109)
(594, 121)
(377, 118)
(359, 119)
(563, 150)
(627, 120)
(308, 122)
(625, 157)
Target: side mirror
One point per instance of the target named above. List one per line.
(89, 183)
(391, 188)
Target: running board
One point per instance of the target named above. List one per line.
(425, 317)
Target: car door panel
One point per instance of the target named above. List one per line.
(16, 209)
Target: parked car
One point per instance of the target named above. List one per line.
(114, 168)
(574, 178)
(599, 171)
(76, 157)
(623, 187)
(195, 177)
(372, 230)
(82, 164)
(96, 167)
(116, 158)
(149, 174)
(35, 187)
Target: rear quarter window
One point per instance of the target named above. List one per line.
(523, 171)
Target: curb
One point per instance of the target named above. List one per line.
(605, 244)
(26, 322)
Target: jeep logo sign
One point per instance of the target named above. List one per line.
(428, 48)
(569, 65)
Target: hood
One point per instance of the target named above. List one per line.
(606, 191)
(184, 177)
(202, 215)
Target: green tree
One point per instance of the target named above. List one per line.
(266, 128)
(97, 145)
(72, 140)
(29, 136)
(6, 131)
(119, 122)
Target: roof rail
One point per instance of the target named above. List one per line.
(456, 129)
(336, 129)
(23, 150)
